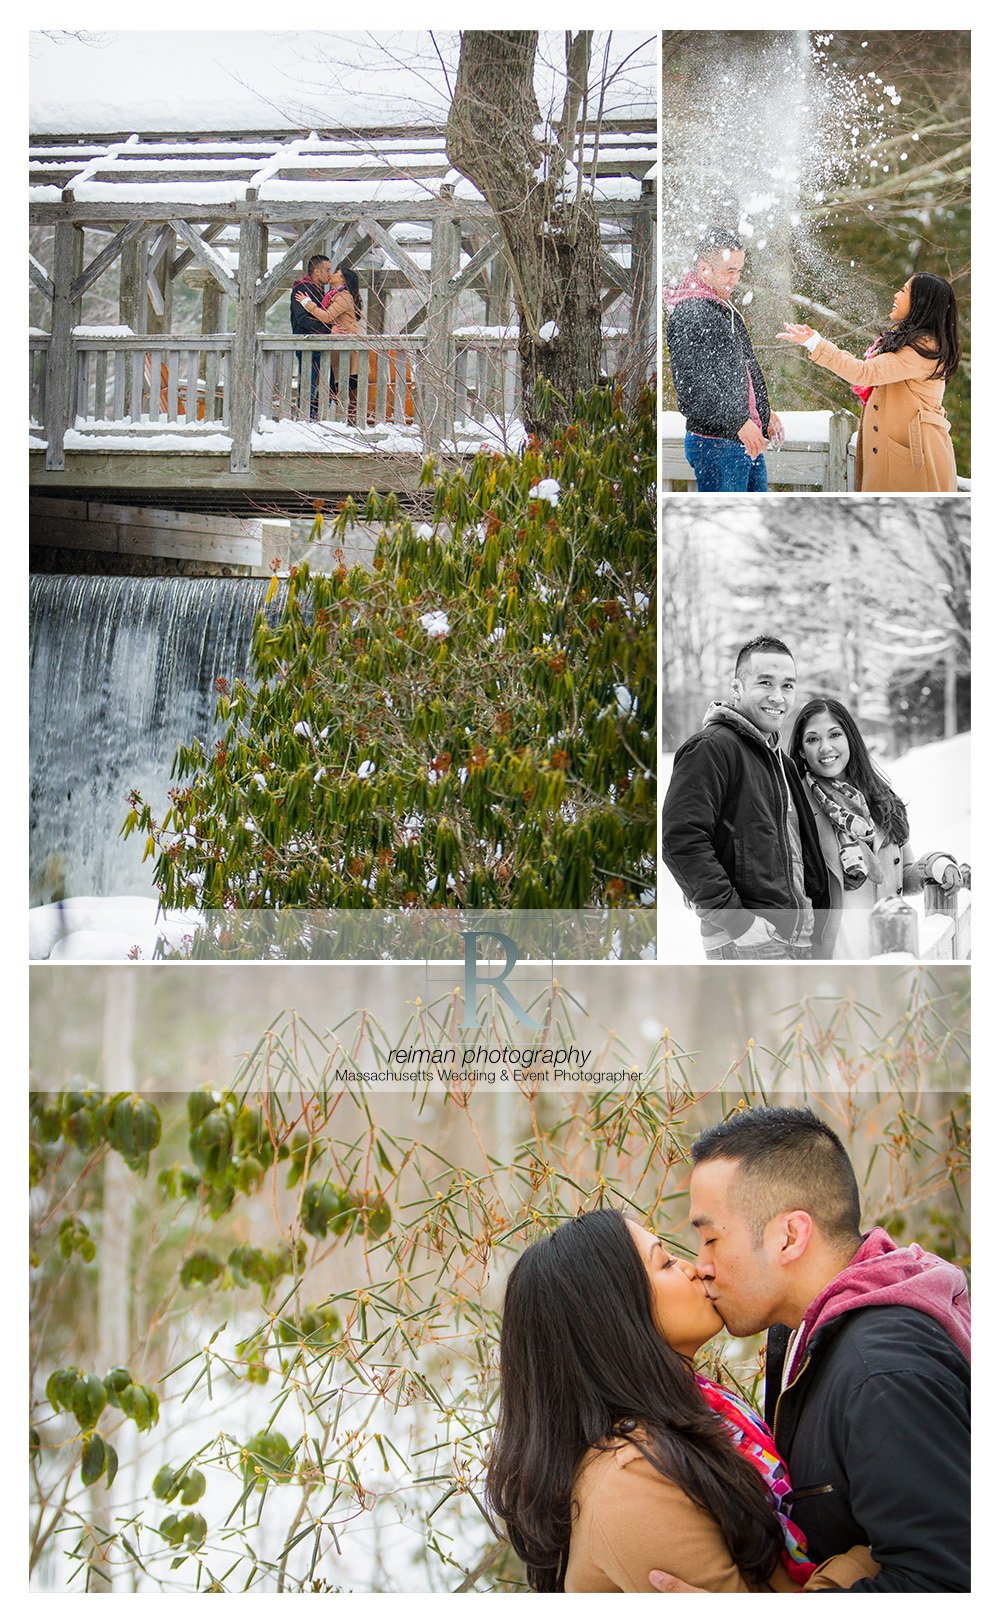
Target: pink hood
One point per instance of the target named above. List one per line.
(883, 1274)
(692, 287)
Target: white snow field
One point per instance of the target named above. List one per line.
(935, 781)
(104, 928)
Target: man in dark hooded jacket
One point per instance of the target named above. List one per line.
(868, 1381)
(739, 835)
(312, 287)
(720, 386)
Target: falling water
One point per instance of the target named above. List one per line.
(122, 671)
(761, 132)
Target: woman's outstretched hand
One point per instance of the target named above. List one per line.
(795, 333)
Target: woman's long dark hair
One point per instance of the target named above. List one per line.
(581, 1365)
(352, 284)
(930, 326)
(883, 802)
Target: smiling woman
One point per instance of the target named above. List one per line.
(612, 1457)
(904, 441)
(863, 827)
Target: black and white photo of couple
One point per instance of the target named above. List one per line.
(785, 828)
(617, 1466)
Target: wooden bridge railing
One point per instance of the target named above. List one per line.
(38, 362)
(134, 384)
(142, 382)
(294, 371)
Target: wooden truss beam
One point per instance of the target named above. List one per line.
(206, 256)
(106, 257)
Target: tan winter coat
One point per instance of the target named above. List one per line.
(631, 1520)
(904, 443)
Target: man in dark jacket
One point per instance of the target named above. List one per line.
(869, 1398)
(739, 835)
(312, 286)
(720, 386)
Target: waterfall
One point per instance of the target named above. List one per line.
(122, 670)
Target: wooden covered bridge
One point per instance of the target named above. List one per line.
(163, 370)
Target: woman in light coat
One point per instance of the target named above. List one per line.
(613, 1456)
(904, 442)
(864, 832)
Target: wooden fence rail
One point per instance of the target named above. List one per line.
(144, 381)
(813, 457)
(136, 384)
(939, 930)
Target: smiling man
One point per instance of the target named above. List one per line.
(738, 832)
(720, 386)
(868, 1381)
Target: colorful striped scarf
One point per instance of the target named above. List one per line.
(755, 1443)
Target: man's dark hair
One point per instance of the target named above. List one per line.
(316, 259)
(788, 1160)
(760, 645)
(719, 241)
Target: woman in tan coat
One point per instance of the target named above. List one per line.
(904, 443)
(340, 311)
(612, 1456)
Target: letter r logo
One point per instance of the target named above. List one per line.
(474, 979)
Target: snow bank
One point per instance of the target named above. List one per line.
(104, 928)
(161, 438)
(935, 781)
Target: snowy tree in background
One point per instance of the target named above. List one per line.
(871, 595)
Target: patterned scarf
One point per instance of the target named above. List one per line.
(755, 1443)
(847, 809)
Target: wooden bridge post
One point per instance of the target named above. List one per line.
(60, 380)
(642, 310)
(133, 303)
(952, 905)
(439, 349)
(894, 928)
(243, 381)
(378, 302)
(842, 426)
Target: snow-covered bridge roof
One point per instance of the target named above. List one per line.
(360, 169)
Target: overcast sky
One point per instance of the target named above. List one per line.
(199, 80)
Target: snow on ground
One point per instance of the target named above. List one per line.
(268, 79)
(935, 781)
(104, 928)
(163, 438)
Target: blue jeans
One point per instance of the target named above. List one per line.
(724, 464)
(733, 952)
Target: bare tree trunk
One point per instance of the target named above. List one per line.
(114, 1291)
(950, 690)
(549, 226)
